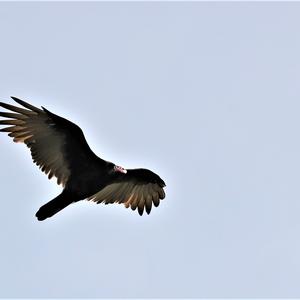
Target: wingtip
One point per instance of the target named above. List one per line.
(26, 105)
(5, 105)
(19, 101)
(140, 210)
(162, 184)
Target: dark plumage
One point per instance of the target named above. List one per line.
(59, 148)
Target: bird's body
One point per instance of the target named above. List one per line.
(59, 148)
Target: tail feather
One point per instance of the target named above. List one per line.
(53, 207)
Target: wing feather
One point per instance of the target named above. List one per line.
(155, 198)
(22, 111)
(135, 198)
(12, 115)
(141, 204)
(27, 105)
(11, 128)
(139, 189)
(12, 122)
(148, 201)
(47, 136)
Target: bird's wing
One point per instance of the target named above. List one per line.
(54, 142)
(138, 188)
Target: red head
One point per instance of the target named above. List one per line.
(120, 169)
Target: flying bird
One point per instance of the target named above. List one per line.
(60, 149)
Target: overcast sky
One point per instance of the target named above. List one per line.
(207, 95)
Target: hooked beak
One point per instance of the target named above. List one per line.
(120, 169)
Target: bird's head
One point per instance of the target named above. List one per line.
(120, 169)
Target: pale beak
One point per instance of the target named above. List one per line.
(120, 169)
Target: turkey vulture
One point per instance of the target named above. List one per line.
(59, 148)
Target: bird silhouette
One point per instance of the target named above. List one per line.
(60, 149)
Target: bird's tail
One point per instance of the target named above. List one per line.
(53, 206)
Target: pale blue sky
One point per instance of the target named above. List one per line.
(205, 94)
